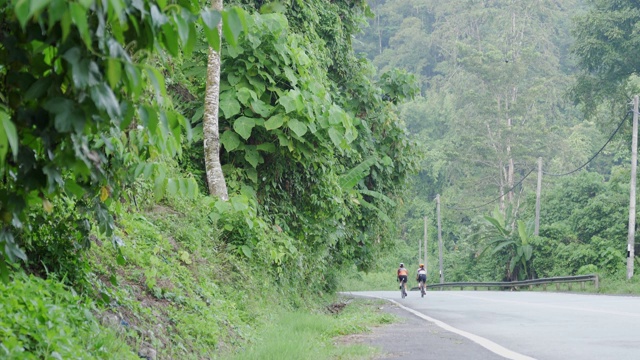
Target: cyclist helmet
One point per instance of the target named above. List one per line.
(401, 264)
(421, 265)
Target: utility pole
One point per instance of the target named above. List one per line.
(425, 243)
(419, 251)
(536, 229)
(439, 237)
(632, 192)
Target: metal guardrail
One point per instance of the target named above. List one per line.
(582, 279)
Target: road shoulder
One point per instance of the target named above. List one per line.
(413, 338)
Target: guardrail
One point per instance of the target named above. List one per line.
(582, 279)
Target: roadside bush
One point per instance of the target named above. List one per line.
(54, 240)
(41, 319)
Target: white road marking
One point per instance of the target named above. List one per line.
(485, 343)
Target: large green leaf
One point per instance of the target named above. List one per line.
(267, 147)
(252, 156)
(105, 99)
(497, 225)
(298, 127)
(38, 88)
(8, 136)
(211, 19)
(183, 26)
(239, 202)
(67, 116)
(274, 122)
(528, 252)
(230, 140)
(260, 107)
(353, 176)
(243, 126)
(522, 232)
(336, 137)
(79, 18)
(246, 251)
(502, 246)
(291, 101)
(378, 196)
(229, 106)
(233, 24)
(114, 72)
(244, 94)
(170, 37)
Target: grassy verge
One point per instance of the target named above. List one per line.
(619, 285)
(174, 285)
(304, 335)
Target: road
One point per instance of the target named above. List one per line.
(533, 325)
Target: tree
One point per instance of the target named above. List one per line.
(607, 48)
(84, 109)
(215, 176)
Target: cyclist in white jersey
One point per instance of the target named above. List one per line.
(422, 274)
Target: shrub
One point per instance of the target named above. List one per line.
(41, 319)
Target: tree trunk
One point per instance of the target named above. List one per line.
(215, 177)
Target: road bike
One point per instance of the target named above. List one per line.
(423, 288)
(403, 289)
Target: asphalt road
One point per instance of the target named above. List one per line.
(526, 325)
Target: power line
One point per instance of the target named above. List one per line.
(496, 199)
(567, 173)
(597, 153)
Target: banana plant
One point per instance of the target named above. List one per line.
(500, 236)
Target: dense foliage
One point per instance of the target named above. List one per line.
(98, 104)
(84, 107)
(504, 84)
(312, 141)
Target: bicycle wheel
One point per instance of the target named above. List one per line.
(422, 289)
(403, 293)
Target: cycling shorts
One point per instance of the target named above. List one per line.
(402, 278)
(422, 277)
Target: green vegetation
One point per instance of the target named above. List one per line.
(101, 158)
(301, 335)
(110, 245)
(491, 104)
(41, 319)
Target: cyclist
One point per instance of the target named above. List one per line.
(421, 277)
(402, 276)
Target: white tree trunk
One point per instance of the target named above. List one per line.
(215, 177)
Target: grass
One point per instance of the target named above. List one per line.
(173, 287)
(304, 335)
(619, 285)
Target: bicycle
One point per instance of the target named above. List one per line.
(403, 289)
(423, 288)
